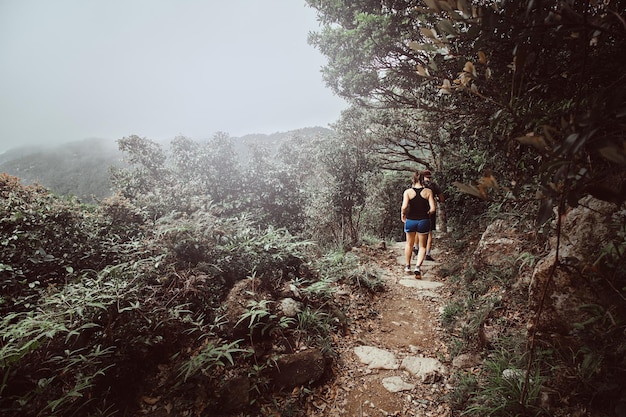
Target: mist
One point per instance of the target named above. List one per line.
(158, 69)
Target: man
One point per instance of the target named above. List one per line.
(433, 217)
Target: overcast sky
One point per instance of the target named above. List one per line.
(75, 69)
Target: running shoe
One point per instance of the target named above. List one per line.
(429, 258)
(407, 269)
(418, 273)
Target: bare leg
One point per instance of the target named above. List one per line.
(429, 242)
(422, 239)
(408, 249)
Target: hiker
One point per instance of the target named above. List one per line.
(418, 203)
(439, 198)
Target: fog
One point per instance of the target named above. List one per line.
(76, 69)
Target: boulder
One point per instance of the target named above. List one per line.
(397, 384)
(300, 368)
(237, 305)
(376, 358)
(430, 370)
(500, 244)
(290, 307)
(234, 394)
(585, 232)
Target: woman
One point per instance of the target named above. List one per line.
(418, 203)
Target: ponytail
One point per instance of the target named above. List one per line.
(418, 176)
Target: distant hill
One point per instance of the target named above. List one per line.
(76, 168)
(82, 168)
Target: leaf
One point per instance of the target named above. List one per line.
(429, 33)
(444, 5)
(150, 400)
(470, 69)
(433, 5)
(446, 87)
(447, 26)
(537, 142)
(482, 57)
(468, 189)
(422, 71)
(414, 45)
(614, 154)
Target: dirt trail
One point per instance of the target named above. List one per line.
(403, 321)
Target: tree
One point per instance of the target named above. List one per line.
(274, 192)
(184, 179)
(549, 74)
(338, 194)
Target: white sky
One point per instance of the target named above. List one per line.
(74, 69)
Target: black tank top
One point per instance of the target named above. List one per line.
(418, 206)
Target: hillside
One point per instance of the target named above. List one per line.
(76, 168)
(82, 168)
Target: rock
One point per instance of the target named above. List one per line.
(513, 374)
(376, 358)
(500, 244)
(289, 290)
(234, 394)
(237, 305)
(584, 234)
(396, 384)
(466, 360)
(290, 307)
(298, 368)
(430, 370)
(420, 284)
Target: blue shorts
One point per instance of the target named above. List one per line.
(419, 226)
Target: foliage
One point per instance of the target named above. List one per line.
(274, 192)
(500, 390)
(187, 178)
(48, 240)
(334, 213)
(129, 296)
(508, 74)
(60, 351)
(210, 355)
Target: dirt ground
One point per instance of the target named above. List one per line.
(404, 320)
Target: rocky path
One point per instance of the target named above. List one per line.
(393, 361)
